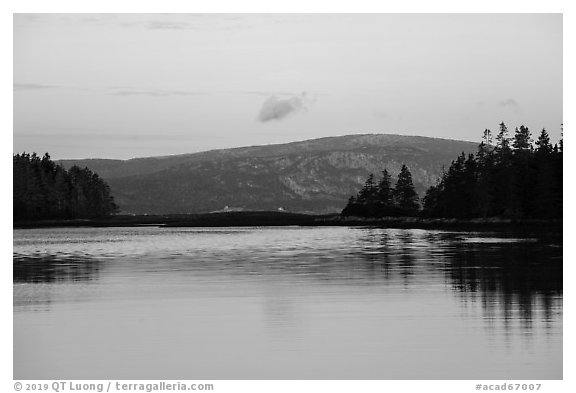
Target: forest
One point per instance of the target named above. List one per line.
(44, 190)
(509, 177)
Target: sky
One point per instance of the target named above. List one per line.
(138, 85)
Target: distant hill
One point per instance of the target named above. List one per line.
(317, 175)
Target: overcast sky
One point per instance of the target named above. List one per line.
(123, 86)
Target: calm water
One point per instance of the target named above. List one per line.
(285, 303)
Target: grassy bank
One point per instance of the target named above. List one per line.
(227, 219)
(267, 218)
(442, 223)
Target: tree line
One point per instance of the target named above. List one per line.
(509, 177)
(380, 199)
(44, 190)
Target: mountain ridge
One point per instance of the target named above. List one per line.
(263, 146)
(316, 175)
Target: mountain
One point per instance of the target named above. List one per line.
(317, 175)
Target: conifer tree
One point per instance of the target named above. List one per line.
(561, 137)
(503, 141)
(431, 201)
(543, 145)
(368, 192)
(485, 148)
(522, 139)
(405, 196)
(384, 194)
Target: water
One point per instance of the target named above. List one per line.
(285, 303)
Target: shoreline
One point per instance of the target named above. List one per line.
(268, 218)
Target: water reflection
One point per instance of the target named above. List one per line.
(509, 274)
(513, 281)
(512, 277)
(320, 303)
(54, 268)
(478, 266)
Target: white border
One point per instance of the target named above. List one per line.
(313, 6)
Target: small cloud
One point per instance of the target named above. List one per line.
(166, 25)
(160, 21)
(32, 86)
(261, 93)
(155, 93)
(275, 108)
(88, 18)
(510, 102)
(42, 86)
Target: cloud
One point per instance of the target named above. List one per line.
(509, 102)
(261, 93)
(161, 21)
(168, 25)
(32, 86)
(156, 93)
(275, 108)
(113, 90)
(102, 135)
(46, 87)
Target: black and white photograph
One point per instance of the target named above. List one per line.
(288, 196)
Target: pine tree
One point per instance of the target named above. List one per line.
(543, 145)
(432, 201)
(405, 196)
(485, 148)
(561, 137)
(350, 208)
(522, 139)
(384, 194)
(368, 193)
(503, 141)
(504, 193)
(487, 137)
